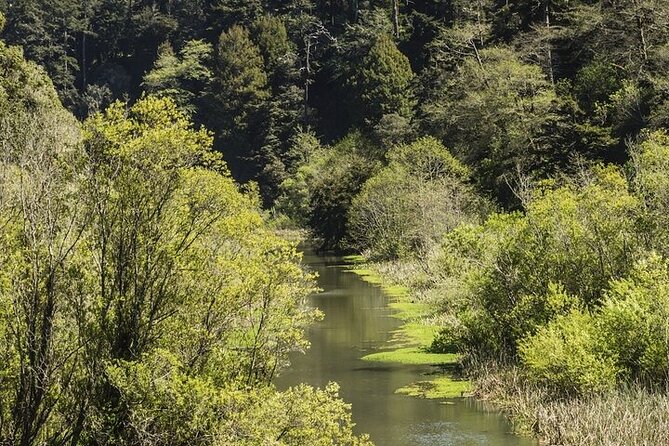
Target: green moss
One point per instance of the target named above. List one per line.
(419, 333)
(408, 310)
(441, 387)
(414, 356)
(412, 338)
(367, 275)
(396, 291)
(374, 278)
(354, 259)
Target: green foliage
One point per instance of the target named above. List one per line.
(185, 78)
(633, 321)
(427, 159)
(236, 12)
(566, 354)
(596, 82)
(345, 169)
(491, 113)
(384, 81)
(142, 298)
(509, 87)
(521, 92)
(271, 36)
(625, 338)
(307, 156)
(649, 166)
(410, 204)
(298, 416)
(285, 107)
(326, 182)
(170, 407)
(520, 272)
(23, 83)
(239, 69)
(240, 92)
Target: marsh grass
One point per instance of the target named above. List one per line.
(628, 416)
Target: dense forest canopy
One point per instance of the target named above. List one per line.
(509, 86)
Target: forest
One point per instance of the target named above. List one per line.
(507, 161)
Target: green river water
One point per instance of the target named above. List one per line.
(358, 321)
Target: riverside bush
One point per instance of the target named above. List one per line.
(566, 355)
(626, 338)
(524, 270)
(633, 321)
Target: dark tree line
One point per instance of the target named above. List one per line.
(508, 86)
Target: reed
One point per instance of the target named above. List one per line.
(632, 415)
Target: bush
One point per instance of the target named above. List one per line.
(325, 180)
(343, 171)
(575, 238)
(649, 166)
(567, 355)
(633, 321)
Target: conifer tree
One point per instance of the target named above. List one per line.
(185, 78)
(241, 92)
(385, 81)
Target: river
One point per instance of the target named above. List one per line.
(358, 321)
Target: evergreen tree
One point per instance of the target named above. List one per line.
(48, 32)
(227, 13)
(384, 82)
(241, 92)
(185, 78)
(285, 108)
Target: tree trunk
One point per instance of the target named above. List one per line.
(307, 75)
(549, 48)
(641, 26)
(353, 4)
(396, 18)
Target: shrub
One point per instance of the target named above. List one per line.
(577, 238)
(567, 355)
(633, 321)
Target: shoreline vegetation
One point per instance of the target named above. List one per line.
(144, 299)
(630, 414)
(411, 343)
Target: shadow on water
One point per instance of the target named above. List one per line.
(358, 321)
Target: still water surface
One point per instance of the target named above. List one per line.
(358, 321)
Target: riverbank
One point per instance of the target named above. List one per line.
(411, 343)
(624, 416)
(357, 321)
(629, 416)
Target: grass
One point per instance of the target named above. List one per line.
(629, 415)
(441, 387)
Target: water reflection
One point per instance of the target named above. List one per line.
(357, 321)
